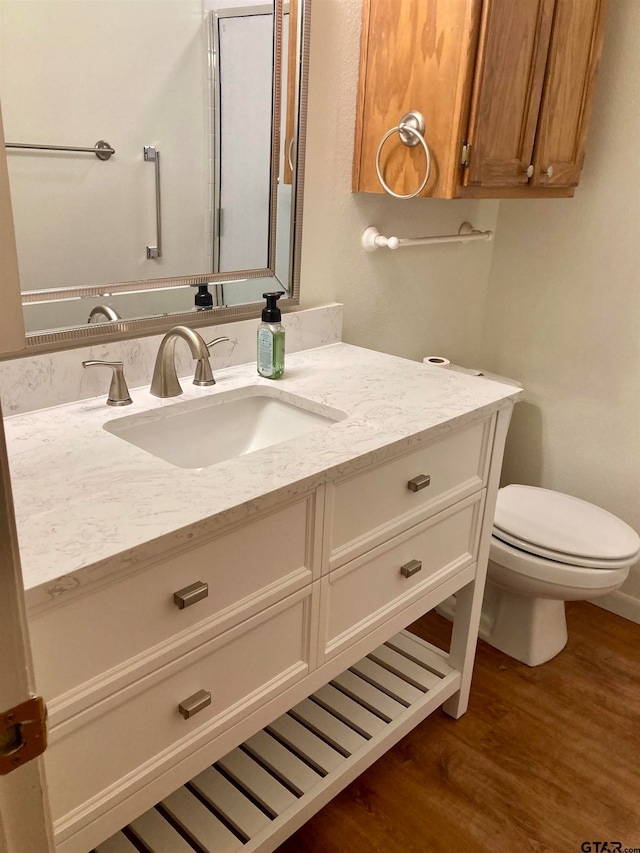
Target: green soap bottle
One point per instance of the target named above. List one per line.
(271, 339)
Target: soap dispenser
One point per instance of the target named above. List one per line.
(203, 300)
(271, 339)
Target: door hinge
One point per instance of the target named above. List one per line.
(23, 734)
(465, 155)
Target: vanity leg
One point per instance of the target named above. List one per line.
(463, 643)
(466, 620)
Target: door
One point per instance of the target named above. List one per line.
(11, 321)
(510, 71)
(25, 823)
(574, 55)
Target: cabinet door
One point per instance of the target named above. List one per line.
(414, 55)
(574, 54)
(514, 42)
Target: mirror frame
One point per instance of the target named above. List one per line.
(52, 340)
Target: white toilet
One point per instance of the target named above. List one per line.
(548, 548)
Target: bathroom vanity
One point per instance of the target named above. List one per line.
(181, 617)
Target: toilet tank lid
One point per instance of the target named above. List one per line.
(563, 524)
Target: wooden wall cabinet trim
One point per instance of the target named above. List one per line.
(513, 80)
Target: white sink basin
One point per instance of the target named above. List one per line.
(200, 433)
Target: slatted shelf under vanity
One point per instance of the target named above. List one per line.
(256, 796)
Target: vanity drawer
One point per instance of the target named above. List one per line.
(113, 634)
(367, 508)
(373, 588)
(141, 731)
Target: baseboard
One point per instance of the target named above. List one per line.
(620, 603)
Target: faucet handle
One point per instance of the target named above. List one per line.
(216, 341)
(204, 374)
(118, 391)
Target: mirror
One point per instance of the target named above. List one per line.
(150, 146)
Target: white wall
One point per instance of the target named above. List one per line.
(134, 74)
(563, 309)
(411, 302)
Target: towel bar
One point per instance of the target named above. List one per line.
(372, 239)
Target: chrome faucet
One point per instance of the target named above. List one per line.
(103, 311)
(165, 379)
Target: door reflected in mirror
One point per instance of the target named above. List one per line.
(187, 101)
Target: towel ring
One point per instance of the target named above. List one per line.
(290, 152)
(411, 132)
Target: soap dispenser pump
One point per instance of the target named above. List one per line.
(204, 299)
(271, 339)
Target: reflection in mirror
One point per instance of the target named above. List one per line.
(242, 137)
(182, 92)
(242, 48)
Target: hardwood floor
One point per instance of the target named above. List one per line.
(544, 760)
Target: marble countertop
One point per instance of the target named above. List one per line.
(89, 504)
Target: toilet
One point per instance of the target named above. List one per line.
(548, 548)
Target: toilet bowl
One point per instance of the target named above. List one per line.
(548, 548)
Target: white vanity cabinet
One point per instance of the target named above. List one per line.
(235, 635)
(304, 599)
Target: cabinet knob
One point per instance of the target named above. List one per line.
(530, 171)
(410, 568)
(419, 482)
(549, 172)
(195, 703)
(188, 595)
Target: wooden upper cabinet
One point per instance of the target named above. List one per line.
(507, 91)
(505, 88)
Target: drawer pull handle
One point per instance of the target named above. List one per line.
(410, 568)
(190, 594)
(195, 703)
(419, 482)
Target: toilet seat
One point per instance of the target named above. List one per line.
(558, 556)
(556, 572)
(563, 529)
